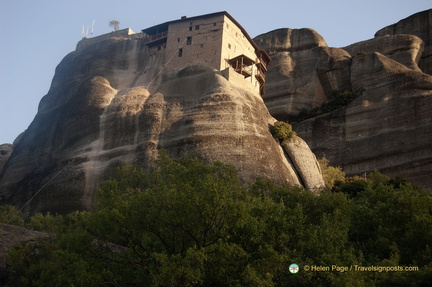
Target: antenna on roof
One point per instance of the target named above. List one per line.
(92, 26)
(85, 33)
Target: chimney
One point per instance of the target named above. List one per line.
(183, 17)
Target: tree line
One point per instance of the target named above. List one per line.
(192, 223)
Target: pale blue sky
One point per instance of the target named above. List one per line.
(35, 35)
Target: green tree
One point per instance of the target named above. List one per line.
(391, 225)
(48, 222)
(331, 174)
(313, 230)
(191, 223)
(182, 224)
(390, 214)
(10, 215)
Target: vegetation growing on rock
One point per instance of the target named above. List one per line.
(339, 100)
(282, 132)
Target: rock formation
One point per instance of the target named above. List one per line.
(109, 104)
(305, 165)
(5, 152)
(405, 49)
(388, 127)
(303, 72)
(11, 235)
(419, 25)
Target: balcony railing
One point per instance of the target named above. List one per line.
(152, 38)
(244, 70)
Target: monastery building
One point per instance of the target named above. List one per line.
(215, 40)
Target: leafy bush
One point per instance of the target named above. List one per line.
(10, 215)
(47, 222)
(331, 174)
(282, 132)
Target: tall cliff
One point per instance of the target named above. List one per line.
(388, 127)
(110, 103)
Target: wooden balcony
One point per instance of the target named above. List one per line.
(156, 39)
(242, 65)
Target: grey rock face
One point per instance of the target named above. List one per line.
(419, 25)
(5, 152)
(11, 235)
(306, 166)
(388, 128)
(290, 40)
(106, 107)
(405, 49)
(303, 72)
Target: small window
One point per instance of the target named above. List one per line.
(196, 27)
(202, 45)
(214, 24)
(180, 52)
(178, 40)
(229, 46)
(190, 28)
(189, 41)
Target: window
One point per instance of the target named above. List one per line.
(189, 41)
(214, 24)
(190, 28)
(197, 27)
(180, 52)
(229, 46)
(202, 45)
(178, 40)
